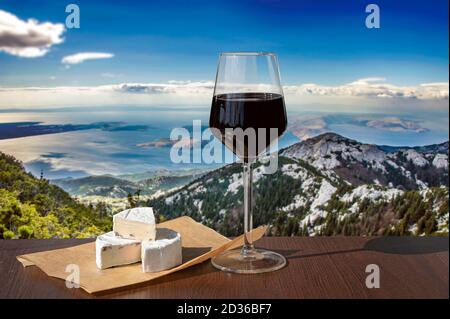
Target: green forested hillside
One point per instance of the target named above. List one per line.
(299, 200)
(33, 208)
(411, 213)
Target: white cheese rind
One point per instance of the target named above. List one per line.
(135, 223)
(111, 251)
(163, 253)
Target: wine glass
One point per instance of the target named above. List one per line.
(248, 115)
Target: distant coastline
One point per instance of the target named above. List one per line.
(24, 129)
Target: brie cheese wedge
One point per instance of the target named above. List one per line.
(111, 251)
(163, 253)
(135, 223)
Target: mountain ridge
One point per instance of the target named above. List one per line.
(119, 187)
(417, 165)
(327, 184)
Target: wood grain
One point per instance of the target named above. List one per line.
(321, 267)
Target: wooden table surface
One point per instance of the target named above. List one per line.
(320, 267)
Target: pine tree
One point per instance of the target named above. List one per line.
(430, 225)
(131, 202)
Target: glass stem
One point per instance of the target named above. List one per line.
(248, 248)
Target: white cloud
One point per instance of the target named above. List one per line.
(28, 39)
(111, 75)
(84, 56)
(363, 93)
(172, 87)
(366, 81)
(194, 93)
(179, 82)
(367, 87)
(373, 88)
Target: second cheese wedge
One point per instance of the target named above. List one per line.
(113, 251)
(135, 223)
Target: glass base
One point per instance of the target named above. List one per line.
(255, 262)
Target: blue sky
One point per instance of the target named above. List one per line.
(324, 42)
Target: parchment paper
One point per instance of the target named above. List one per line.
(199, 244)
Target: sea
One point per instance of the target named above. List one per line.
(95, 151)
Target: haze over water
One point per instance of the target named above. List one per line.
(96, 151)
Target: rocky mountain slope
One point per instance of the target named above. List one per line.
(357, 163)
(327, 185)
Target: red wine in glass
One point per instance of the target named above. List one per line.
(256, 111)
